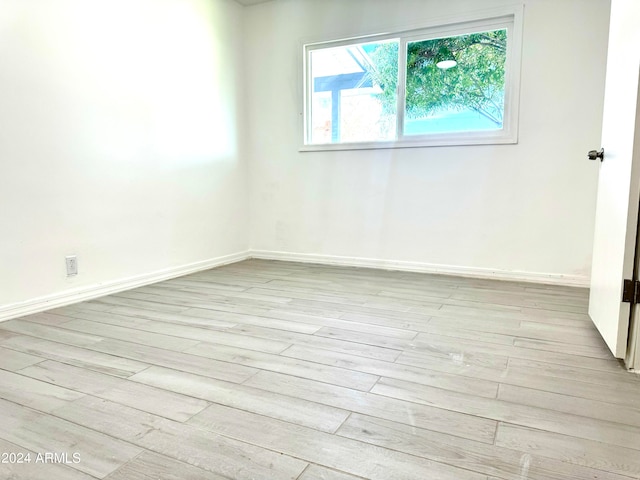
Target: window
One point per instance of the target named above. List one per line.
(447, 85)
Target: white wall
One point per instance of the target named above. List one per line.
(119, 142)
(123, 141)
(520, 211)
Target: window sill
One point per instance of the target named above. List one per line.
(414, 143)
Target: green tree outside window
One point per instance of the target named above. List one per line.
(476, 82)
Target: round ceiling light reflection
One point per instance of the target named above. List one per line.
(446, 64)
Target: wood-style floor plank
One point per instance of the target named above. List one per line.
(291, 366)
(79, 311)
(114, 302)
(610, 378)
(579, 451)
(80, 357)
(467, 426)
(524, 415)
(334, 345)
(50, 332)
(621, 393)
(33, 469)
(210, 320)
(315, 472)
(100, 454)
(233, 372)
(488, 459)
(282, 370)
(149, 465)
(13, 360)
(489, 354)
(130, 335)
(483, 388)
(202, 448)
(204, 316)
(34, 393)
(47, 318)
(571, 404)
(355, 337)
(143, 397)
(290, 409)
(336, 452)
(553, 346)
(224, 337)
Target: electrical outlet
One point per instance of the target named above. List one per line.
(72, 265)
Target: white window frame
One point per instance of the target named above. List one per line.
(509, 18)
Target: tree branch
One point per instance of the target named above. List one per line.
(487, 115)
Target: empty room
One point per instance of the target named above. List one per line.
(319, 239)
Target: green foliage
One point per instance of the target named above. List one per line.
(477, 82)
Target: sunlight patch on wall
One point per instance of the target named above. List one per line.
(152, 71)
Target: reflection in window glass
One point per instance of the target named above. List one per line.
(456, 83)
(349, 103)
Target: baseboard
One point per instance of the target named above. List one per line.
(69, 297)
(94, 291)
(488, 273)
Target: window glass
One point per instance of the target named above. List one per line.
(349, 103)
(456, 83)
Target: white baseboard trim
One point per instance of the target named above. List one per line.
(487, 273)
(81, 294)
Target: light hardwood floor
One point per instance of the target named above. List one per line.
(274, 370)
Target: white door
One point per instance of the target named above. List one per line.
(632, 359)
(619, 179)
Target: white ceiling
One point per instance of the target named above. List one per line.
(251, 2)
